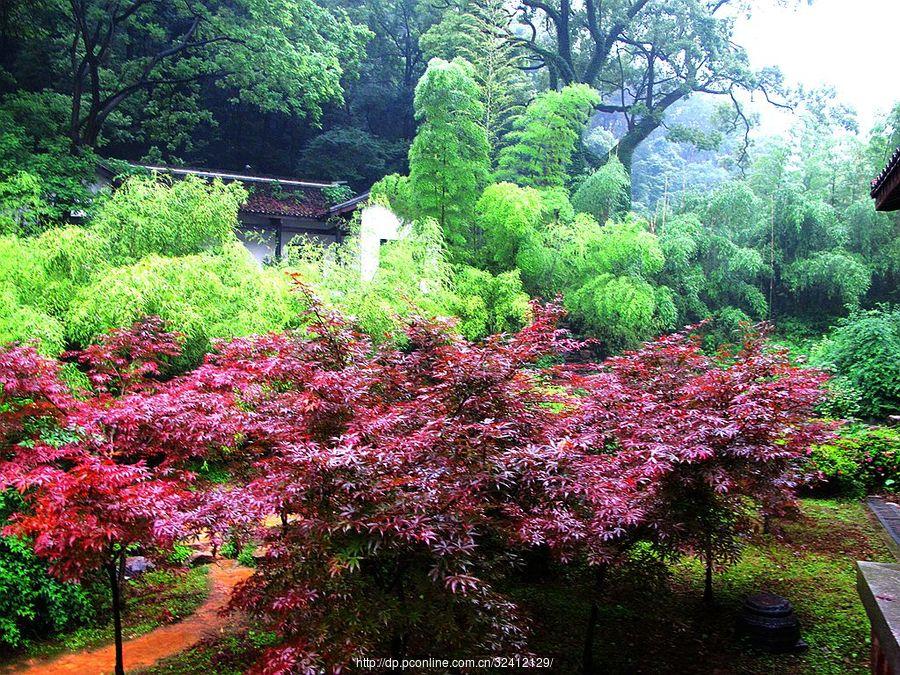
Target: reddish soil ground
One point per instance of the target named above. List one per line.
(147, 649)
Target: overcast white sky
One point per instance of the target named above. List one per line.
(853, 45)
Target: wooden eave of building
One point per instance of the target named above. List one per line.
(348, 207)
(240, 177)
(886, 187)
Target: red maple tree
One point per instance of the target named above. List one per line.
(410, 481)
(86, 504)
(712, 436)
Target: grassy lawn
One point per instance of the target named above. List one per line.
(663, 626)
(151, 600)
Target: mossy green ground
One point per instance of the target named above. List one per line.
(153, 599)
(231, 653)
(664, 627)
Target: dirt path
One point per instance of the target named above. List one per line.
(147, 649)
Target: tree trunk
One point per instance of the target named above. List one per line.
(642, 128)
(707, 586)
(115, 587)
(625, 148)
(588, 667)
(400, 637)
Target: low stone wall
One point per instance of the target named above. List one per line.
(878, 585)
(879, 589)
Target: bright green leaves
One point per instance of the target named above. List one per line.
(22, 203)
(490, 304)
(153, 248)
(611, 287)
(21, 323)
(506, 215)
(540, 148)
(23, 316)
(204, 296)
(413, 277)
(146, 216)
(449, 158)
(606, 193)
(621, 248)
(482, 35)
(622, 310)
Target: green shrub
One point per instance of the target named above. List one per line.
(180, 554)
(835, 274)
(241, 552)
(152, 249)
(245, 557)
(21, 273)
(229, 549)
(836, 469)
(68, 259)
(843, 400)
(41, 180)
(413, 277)
(20, 323)
(22, 203)
(555, 205)
(863, 460)
(488, 304)
(146, 216)
(32, 603)
(205, 296)
(506, 214)
(335, 194)
(865, 348)
(605, 193)
(395, 192)
(622, 310)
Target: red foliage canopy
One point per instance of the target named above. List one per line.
(409, 480)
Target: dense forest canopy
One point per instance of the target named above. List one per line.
(278, 79)
(617, 321)
(601, 152)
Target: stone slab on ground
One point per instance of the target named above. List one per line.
(887, 511)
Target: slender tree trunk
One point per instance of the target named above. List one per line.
(113, 569)
(588, 667)
(400, 638)
(707, 586)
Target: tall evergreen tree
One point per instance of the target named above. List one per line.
(480, 33)
(449, 158)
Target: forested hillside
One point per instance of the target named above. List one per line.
(623, 326)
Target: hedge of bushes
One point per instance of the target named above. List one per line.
(862, 460)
